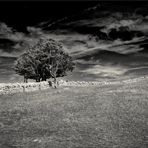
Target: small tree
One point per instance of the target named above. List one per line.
(47, 59)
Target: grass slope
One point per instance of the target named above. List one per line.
(107, 116)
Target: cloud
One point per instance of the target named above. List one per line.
(127, 47)
(9, 33)
(7, 54)
(4, 29)
(111, 20)
(19, 39)
(34, 31)
(79, 42)
(105, 70)
(73, 41)
(121, 23)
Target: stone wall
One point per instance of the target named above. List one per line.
(9, 88)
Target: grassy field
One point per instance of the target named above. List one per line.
(107, 116)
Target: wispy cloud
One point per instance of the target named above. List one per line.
(105, 71)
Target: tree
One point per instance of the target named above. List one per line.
(46, 59)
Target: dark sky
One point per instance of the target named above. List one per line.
(23, 13)
(20, 14)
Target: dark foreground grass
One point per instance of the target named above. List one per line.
(109, 116)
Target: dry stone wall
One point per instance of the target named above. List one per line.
(9, 88)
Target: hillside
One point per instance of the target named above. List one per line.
(105, 116)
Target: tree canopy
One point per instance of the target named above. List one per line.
(46, 59)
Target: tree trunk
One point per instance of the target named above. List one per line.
(43, 79)
(25, 80)
(37, 79)
(55, 82)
